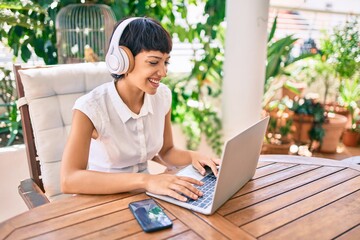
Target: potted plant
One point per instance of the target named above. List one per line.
(308, 122)
(279, 58)
(337, 60)
(349, 95)
(333, 127)
(278, 137)
(342, 49)
(293, 89)
(316, 127)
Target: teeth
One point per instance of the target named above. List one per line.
(154, 81)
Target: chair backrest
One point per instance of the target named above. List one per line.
(46, 97)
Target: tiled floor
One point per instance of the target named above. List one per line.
(342, 153)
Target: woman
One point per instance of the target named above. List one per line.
(119, 125)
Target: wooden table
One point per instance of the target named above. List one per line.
(289, 198)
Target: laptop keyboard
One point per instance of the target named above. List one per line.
(208, 192)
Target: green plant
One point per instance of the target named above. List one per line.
(10, 124)
(319, 71)
(342, 49)
(279, 58)
(310, 107)
(28, 26)
(349, 96)
(194, 95)
(194, 116)
(280, 122)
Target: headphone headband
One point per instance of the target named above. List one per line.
(117, 60)
(118, 32)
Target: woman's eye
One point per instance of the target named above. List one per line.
(167, 63)
(153, 63)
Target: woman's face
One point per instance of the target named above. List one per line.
(150, 68)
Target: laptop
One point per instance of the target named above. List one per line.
(238, 165)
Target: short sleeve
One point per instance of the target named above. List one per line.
(90, 108)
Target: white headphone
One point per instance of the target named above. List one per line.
(119, 59)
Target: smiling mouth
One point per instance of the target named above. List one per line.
(154, 81)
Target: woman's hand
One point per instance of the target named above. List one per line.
(173, 186)
(199, 161)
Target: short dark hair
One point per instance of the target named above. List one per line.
(144, 34)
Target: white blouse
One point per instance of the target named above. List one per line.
(125, 140)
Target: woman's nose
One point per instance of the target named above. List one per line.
(162, 71)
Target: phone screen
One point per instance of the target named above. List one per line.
(150, 215)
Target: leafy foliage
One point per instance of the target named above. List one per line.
(27, 26)
(318, 69)
(279, 57)
(10, 123)
(316, 110)
(194, 116)
(194, 106)
(349, 97)
(280, 123)
(342, 48)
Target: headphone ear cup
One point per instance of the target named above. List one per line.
(129, 61)
(119, 59)
(113, 62)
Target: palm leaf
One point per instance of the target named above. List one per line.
(273, 29)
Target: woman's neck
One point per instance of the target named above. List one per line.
(131, 96)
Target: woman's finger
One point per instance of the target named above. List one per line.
(213, 167)
(176, 195)
(191, 180)
(191, 193)
(217, 161)
(197, 165)
(190, 187)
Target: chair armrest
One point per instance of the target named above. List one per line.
(32, 194)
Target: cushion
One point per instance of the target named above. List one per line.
(51, 93)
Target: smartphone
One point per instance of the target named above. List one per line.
(150, 215)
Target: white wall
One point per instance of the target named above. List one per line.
(336, 6)
(13, 169)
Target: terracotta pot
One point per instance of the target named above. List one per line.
(336, 108)
(276, 148)
(350, 138)
(333, 130)
(302, 125)
(288, 92)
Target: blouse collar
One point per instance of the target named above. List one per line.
(123, 110)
